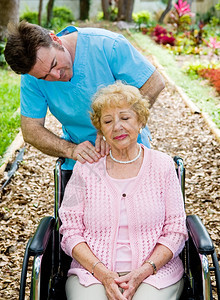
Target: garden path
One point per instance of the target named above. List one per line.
(175, 130)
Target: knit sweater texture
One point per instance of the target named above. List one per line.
(91, 208)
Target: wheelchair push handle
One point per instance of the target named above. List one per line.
(178, 160)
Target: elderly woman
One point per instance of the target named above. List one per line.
(123, 219)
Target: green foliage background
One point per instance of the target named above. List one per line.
(9, 103)
(201, 95)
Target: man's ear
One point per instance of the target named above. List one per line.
(55, 38)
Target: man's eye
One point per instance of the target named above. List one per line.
(54, 65)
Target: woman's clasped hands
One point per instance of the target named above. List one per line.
(112, 287)
(128, 283)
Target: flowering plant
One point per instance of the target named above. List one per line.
(161, 36)
(183, 8)
(213, 75)
(213, 44)
(181, 16)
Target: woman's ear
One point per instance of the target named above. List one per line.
(141, 126)
(55, 38)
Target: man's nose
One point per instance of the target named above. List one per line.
(55, 73)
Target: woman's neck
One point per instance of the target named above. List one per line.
(127, 170)
(126, 154)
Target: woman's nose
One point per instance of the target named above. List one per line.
(117, 125)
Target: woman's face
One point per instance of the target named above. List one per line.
(120, 126)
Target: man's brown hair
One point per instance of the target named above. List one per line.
(24, 39)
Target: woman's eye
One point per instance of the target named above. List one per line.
(107, 122)
(125, 118)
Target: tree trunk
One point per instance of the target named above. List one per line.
(84, 9)
(105, 8)
(40, 11)
(9, 11)
(50, 5)
(129, 10)
(125, 9)
(121, 10)
(165, 12)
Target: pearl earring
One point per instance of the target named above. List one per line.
(104, 139)
(140, 130)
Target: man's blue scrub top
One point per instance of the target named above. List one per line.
(101, 58)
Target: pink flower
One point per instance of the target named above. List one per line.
(213, 43)
(182, 8)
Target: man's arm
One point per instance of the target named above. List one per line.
(36, 134)
(152, 87)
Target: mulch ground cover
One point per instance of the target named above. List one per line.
(29, 196)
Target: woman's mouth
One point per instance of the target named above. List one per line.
(120, 137)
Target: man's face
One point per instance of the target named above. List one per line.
(53, 64)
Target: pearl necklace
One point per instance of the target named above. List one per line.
(126, 161)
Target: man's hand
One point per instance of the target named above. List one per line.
(40, 137)
(85, 152)
(101, 146)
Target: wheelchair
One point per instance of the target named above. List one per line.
(50, 264)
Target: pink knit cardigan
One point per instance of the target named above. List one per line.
(90, 213)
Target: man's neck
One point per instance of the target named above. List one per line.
(69, 41)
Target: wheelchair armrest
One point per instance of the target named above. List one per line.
(199, 235)
(41, 237)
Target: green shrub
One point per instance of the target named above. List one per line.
(62, 16)
(100, 15)
(193, 69)
(29, 16)
(142, 18)
(2, 57)
(214, 21)
(9, 103)
(207, 16)
(63, 13)
(113, 14)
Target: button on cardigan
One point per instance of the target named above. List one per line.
(91, 208)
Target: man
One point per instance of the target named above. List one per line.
(63, 72)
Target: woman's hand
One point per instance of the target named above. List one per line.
(112, 288)
(131, 281)
(101, 146)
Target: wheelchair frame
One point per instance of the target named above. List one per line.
(44, 246)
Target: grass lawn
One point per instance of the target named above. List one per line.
(202, 96)
(9, 103)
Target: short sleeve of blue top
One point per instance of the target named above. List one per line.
(101, 58)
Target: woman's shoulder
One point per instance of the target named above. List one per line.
(90, 168)
(157, 155)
